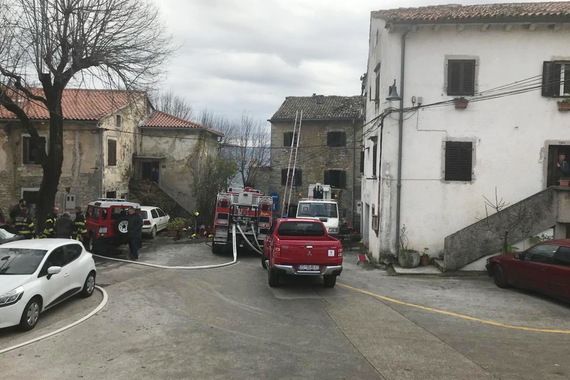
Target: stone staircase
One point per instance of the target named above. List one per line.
(149, 193)
(533, 215)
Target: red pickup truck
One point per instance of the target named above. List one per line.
(301, 247)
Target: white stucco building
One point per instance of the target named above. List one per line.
(428, 162)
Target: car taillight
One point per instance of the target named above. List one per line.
(147, 222)
(277, 250)
(340, 252)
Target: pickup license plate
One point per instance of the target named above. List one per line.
(309, 267)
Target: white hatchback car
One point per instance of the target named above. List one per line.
(38, 274)
(154, 220)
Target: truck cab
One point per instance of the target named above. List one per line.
(324, 210)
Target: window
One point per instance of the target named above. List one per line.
(55, 259)
(301, 229)
(288, 139)
(335, 178)
(374, 159)
(154, 213)
(562, 256)
(112, 155)
(72, 252)
(118, 121)
(542, 253)
(361, 162)
(335, 139)
(160, 212)
(556, 79)
(377, 84)
(298, 177)
(461, 77)
(30, 154)
(111, 194)
(458, 160)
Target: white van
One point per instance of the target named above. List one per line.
(324, 210)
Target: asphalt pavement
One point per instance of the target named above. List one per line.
(227, 323)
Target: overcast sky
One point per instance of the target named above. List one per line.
(248, 55)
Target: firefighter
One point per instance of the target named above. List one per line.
(49, 231)
(23, 224)
(79, 225)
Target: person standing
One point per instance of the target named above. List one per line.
(23, 224)
(135, 223)
(79, 224)
(64, 227)
(49, 230)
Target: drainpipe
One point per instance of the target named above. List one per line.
(400, 142)
(353, 211)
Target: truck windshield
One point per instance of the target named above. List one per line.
(319, 210)
(301, 229)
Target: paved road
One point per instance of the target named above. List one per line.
(227, 323)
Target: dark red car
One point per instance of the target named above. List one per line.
(544, 268)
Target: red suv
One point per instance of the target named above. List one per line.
(106, 223)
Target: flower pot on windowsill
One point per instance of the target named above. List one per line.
(460, 103)
(564, 106)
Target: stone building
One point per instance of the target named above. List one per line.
(168, 147)
(329, 149)
(105, 133)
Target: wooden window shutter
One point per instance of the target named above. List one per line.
(550, 79)
(287, 138)
(111, 152)
(461, 77)
(26, 150)
(458, 160)
(374, 159)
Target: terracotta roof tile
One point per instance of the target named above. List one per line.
(160, 119)
(77, 104)
(320, 107)
(539, 11)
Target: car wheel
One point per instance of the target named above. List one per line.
(499, 277)
(88, 286)
(31, 314)
(263, 263)
(153, 232)
(329, 281)
(272, 277)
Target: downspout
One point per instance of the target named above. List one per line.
(353, 211)
(400, 142)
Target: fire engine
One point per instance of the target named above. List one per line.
(247, 209)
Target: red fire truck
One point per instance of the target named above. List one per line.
(249, 210)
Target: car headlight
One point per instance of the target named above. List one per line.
(11, 297)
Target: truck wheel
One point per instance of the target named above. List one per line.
(273, 277)
(217, 249)
(263, 264)
(330, 281)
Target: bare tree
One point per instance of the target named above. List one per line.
(508, 219)
(54, 42)
(172, 104)
(251, 149)
(221, 124)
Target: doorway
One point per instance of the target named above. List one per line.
(151, 171)
(553, 172)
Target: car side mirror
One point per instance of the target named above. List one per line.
(519, 255)
(53, 270)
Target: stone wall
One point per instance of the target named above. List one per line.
(314, 157)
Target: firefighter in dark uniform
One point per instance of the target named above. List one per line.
(23, 224)
(79, 225)
(49, 230)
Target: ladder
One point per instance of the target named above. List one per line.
(290, 181)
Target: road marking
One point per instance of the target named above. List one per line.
(45, 336)
(457, 315)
